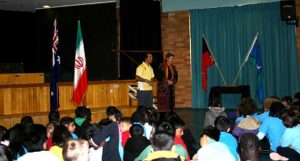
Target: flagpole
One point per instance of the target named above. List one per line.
(212, 55)
(246, 58)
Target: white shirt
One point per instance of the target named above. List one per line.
(37, 156)
(215, 151)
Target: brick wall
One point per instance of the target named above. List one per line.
(176, 39)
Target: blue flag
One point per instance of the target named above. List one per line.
(54, 92)
(256, 59)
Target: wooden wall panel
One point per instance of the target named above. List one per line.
(17, 101)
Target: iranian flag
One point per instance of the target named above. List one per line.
(80, 71)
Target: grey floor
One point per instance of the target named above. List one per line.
(194, 119)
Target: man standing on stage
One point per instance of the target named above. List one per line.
(167, 78)
(145, 77)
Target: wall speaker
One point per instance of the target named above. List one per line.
(288, 10)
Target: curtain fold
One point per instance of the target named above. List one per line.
(229, 32)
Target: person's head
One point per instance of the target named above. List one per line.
(5, 153)
(150, 115)
(222, 123)
(68, 122)
(26, 121)
(287, 101)
(215, 102)
(54, 116)
(60, 135)
(162, 142)
(138, 116)
(113, 114)
(170, 58)
(277, 109)
(165, 127)
(268, 102)
(136, 130)
(247, 107)
(249, 146)
(50, 128)
(76, 150)
(209, 133)
(148, 58)
(125, 124)
(35, 138)
(179, 125)
(81, 112)
(291, 118)
(297, 96)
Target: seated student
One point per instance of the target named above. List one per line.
(168, 128)
(76, 150)
(136, 143)
(34, 141)
(82, 120)
(249, 147)
(290, 140)
(60, 135)
(50, 128)
(162, 146)
(179, 127)
(247, 121)
(68, 122)
(211, 149)
(273, 126)
(113, 114)
(187, 137)
(125, 124)
(112, 149)
(222, 123)
(215, 109)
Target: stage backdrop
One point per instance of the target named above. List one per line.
(27, 39)
(229, 32)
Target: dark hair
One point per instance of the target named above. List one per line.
(165, 127)
(60, 134)
(34, 137)
(150, 115)
(178, 123)
(138, 116)
(277, 109)
(81, 111)
(168, 55)
(291, 118)
(211, 132)
(26, 121)
(2, 131)
(215, 102)
(112, 110)
(65, 121)
(162, 142)
(146, 55)
(136, 130)
(247, 107)
(249, 141)
(54, 116)
(5, 153)
(287, 99)
(297, 96)
(222, 123)
(14, 135)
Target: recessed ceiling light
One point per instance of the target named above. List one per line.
(46, 6)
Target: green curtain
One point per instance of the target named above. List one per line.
(229, 32)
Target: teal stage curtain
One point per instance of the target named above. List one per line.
(229, 32)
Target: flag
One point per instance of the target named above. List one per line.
(54, 92)
(256, 59)
(207, 61)
(80, 69)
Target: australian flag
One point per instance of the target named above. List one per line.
(54, 92)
